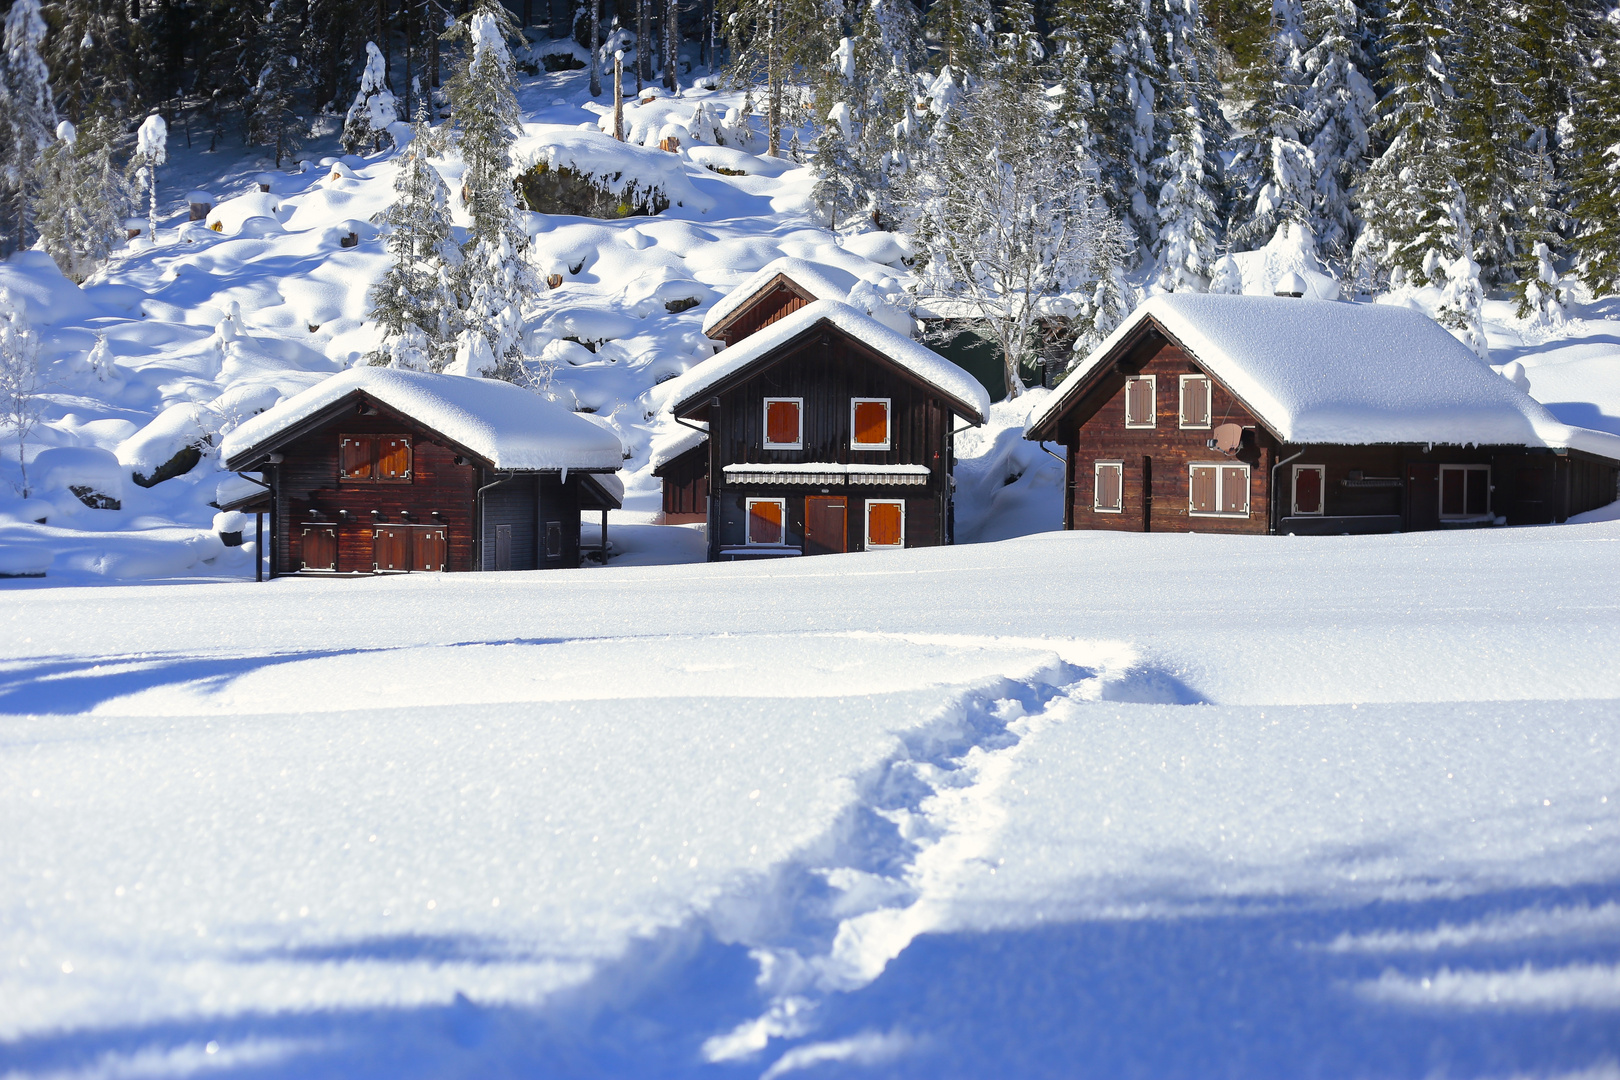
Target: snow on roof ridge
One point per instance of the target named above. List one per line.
(506, 425)
(1333, 372)
(921, 361)
(821, 281)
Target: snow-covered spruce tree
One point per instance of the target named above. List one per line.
(22, 381)
(1406, 194)
(770, 40)
(495, 275)
(841, 185)
(1543, 294)
(1191, 135)
(81, 198)
(415, 302)
(962, 28)
(92, 58)
(151, 150)
(1272, 171)
(1462, 299)
(273, 119)
(30, 114)
(1490, 116)
(1595, 161)
(374, 108)
(1339, 108)
(1008, 218)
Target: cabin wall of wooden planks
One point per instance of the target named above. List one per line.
(686, 486)
(776, 302)
(307, 479)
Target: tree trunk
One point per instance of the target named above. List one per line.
(773, 89)
(618, 94)
(435, 27)
(596, 48)
(643, 37)
(672, 44)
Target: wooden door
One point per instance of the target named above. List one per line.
(1422, 497)
(503, 547)
(390, 549)
(1308, 490)
(429, 549)
(318, 544)
(826, 524)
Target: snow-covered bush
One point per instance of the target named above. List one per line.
(22, 381)
(374, 108)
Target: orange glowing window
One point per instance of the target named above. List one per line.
(869, 421)
(885, 523)
(784, 427)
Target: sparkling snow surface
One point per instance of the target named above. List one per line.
(1325, 806)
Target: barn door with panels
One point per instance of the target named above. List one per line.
(1308, 490)
(503, 547)
(826, 524)
(391, 548)
(430, 549)
(318, 544)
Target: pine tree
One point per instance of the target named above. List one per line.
(414, 303)
(151, 150)
(81, 200)
(1407, 193)
(1191, 135)
(374, 108)
(1339, 109)
(1595, 169)
(1189, 221)
(1462, 299)
(770, 41)
(1491, 121)
(30, 113)
(1272, 170)
(495, 276)
(273, 117)
(90, 50)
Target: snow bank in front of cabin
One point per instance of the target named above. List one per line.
(1324, 372)
(923, 362)
(508, 426)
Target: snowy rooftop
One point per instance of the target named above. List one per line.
(508, 426)
(1325, 372)
(922, 362)
(821, 281)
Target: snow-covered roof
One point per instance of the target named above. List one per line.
(506, 425)
(821, 281)
(1327, 372)
(672, 444)
(922, 362)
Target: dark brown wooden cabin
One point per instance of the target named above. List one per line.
(685, 480)
(779, 298)
(1157, 440)
(360, 485)
(831, 434)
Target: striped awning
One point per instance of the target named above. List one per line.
(827, 474)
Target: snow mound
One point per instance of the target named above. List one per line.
(508, 426)
(230, 216)
(610, 163)
(62, 468)
(923, 362)
(1319, 372)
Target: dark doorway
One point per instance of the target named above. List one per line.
(503, 547)
(1147, 494)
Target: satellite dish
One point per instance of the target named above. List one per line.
(1228, 437)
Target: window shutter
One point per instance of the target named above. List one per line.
(355, 456)
(1234, 490)
(1201, 495)
(782, 422)
(1195, 402)
(872, 423)
(1108, 487)
(765, 521)
(393, 457)
(883, 524)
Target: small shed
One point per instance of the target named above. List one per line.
(378, 470)
(1286, 414)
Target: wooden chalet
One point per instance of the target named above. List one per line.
(825, 431)
(377, 470)
(775, 292)
(1258, 414)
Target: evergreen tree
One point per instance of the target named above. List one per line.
(81, 200)
(374, 108)
(273, 117)
(1407, 193)
(1595, 171)
(151, 150)
(770, 41)
(90, 50)
(1462, 299)
(1191, 135)
(1339, 110)
(1491, 123)
(30, 114)
(414, 303)
(1189, 221)
(495, 277)
(962, 29)
(1272, 170)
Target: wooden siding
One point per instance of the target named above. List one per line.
(516, 505)
(307, 479)
(776, 301)
(686, 486)
(827, 370)
(1155, 460)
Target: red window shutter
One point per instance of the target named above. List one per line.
(1201, 495)
(1308, 491)
(1234, 490)
(883, 522)
(393, 457)
(872, 423)
(355, 454)
(765, 522)
(782, 422)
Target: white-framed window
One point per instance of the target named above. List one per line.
(1108, 487)
(784, 423)
(1218, 489)
(1308, 490)
(1141, 401)
(767, 521)
(869, 423)
(1465, 492)
(885, 524)
(1196, 393)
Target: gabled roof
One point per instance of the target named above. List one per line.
(1325, 372)
(507, 426)
(965, 392)
(816, 281)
